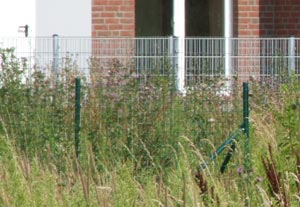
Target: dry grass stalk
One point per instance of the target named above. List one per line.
(298, 173)
(276, 187)
(84, 181)
(205, 192)
(201, 182)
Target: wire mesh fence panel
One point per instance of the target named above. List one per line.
(130, 102)
(204, 59)
(150, 119)
(270, 61)
(264, 59)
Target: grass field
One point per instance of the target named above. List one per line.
(141, 142)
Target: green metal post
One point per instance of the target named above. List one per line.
(77, 116)
(247, 163)
(223, 146)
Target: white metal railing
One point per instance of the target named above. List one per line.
(264, 59)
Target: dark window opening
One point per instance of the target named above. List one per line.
(204, 18)
(153, 17)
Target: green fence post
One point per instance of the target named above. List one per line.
(247, 163)
(77, 116)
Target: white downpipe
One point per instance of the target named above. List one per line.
(291, 55)
(179, 32)
(228, 34)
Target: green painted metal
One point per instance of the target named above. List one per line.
(227, 158)
(77, 116)
(245, 127)
(220, 149)
(247, 163)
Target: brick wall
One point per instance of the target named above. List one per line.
(280, 18)
(113, 18)
(246, 18)
(266, 18)
(261, 18)
(252, 18)
(287, 18)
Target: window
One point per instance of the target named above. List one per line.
(204, 18)
(153, 17)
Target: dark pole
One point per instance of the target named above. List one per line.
(77, 116)
(247, 163)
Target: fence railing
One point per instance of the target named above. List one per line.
(265, 59)
(129, 103)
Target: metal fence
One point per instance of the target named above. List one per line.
(129, 100)
(199, 59)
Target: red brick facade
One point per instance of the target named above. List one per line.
(262, 18)
(287, 18)
(267, 18)
(113, 18)
(246, 18)
(252, 18)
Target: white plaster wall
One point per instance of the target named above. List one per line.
(67, 18)
(45, 17)
(63, 17)
(15, 13)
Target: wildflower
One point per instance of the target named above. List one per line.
(240, 170)
(259, 179)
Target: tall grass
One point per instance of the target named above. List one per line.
(141, 142)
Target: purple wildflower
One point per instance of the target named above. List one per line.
(240, 169)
